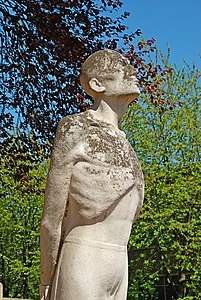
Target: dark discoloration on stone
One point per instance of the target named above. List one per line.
(103, 144)
(94, 189)
(105, 63)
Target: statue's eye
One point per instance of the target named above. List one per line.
(120, 63)
(123, 63)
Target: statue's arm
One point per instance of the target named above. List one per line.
(55, 201)
(139, 192)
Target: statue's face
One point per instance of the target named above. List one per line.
(124, 80)
(113, 71)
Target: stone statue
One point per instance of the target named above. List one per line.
(94, 190)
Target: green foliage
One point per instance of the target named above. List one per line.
(40, 85)
(20, 214)
(166, 239)
(43, 44)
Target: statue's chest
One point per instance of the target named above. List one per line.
(109, 146)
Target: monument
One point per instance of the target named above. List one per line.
(94, 190)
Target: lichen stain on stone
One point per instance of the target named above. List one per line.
(114, 150)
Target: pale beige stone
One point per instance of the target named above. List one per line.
(94, 190)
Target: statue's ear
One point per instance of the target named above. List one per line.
(96, 85)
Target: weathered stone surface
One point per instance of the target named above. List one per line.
(94, 191)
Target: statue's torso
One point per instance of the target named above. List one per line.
(106, 188)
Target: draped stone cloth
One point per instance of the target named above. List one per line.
(104, 194)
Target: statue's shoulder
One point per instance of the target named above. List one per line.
(72, 125)
(76, 120)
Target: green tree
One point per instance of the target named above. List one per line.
(43, 43)
(165, 243)
(20, 214)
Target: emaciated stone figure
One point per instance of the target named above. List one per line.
(94, 190)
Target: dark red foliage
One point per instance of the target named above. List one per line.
(42, 46)
(148, 72)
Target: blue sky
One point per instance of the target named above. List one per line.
(173, 22)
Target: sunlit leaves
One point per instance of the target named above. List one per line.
(20, 214)
(168, 145)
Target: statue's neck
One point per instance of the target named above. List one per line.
(110, 111)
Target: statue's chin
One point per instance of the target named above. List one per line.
(133, 94)
(136, 91)
(129, 98)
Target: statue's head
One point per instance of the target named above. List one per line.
(108, 72)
